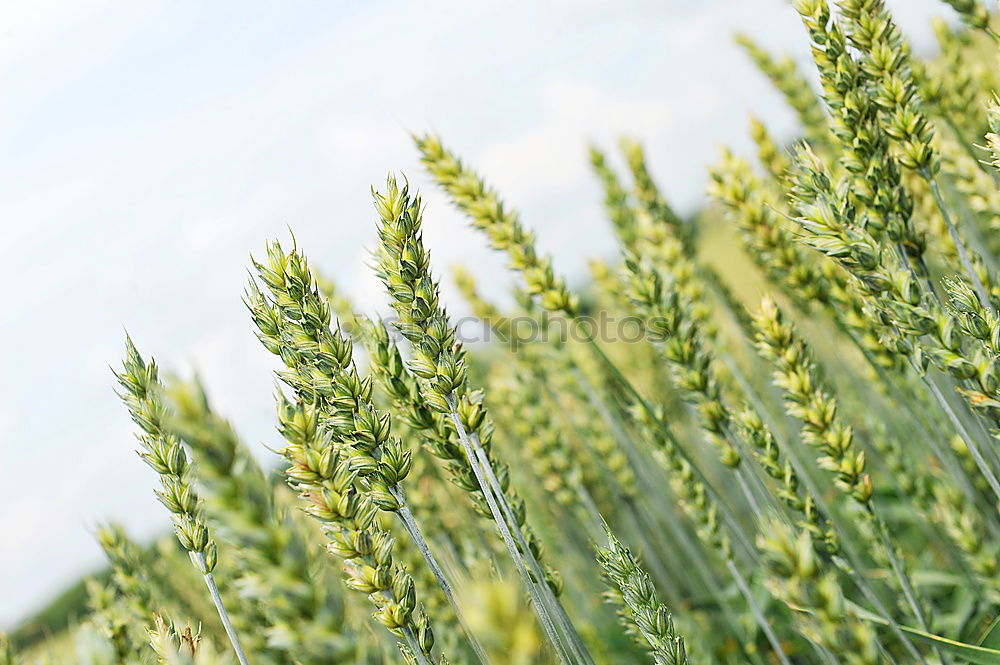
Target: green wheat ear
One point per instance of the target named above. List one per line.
(795, 576)
(162, 451)
(993, 136)
(112, 618)
(470, 194)
(974, 14)
(129, 577)
(633, 589)
(786, 77)
(173, 644)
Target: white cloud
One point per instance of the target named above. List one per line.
(32, 27)
(551, 155)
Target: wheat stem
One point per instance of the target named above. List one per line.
(897, 567)
(758, 614)
(963, 254)
(664, 430)
(199, 561)
(576, 644)
(967, 438)
(531, 576)
(413, 529)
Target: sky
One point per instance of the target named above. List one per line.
(148, 148)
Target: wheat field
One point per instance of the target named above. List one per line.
(655, 466)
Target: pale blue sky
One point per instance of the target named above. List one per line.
(149, 146)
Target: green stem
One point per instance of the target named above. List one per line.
(569, 631)
(851, 571)
(963, 432)
(413, 529)
(591, 514)
(992, 33)
(902, 577)
(411, 641)
(500, 517)
(199, 561)
(745, 475)
(662, 427)
(758, 614)
(963, 255)
(929, 432)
